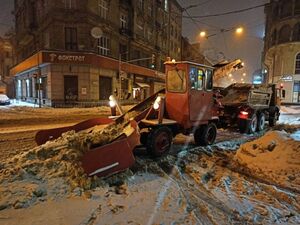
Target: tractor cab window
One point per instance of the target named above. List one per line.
(196, 78)
(209, 80)
(176, 81)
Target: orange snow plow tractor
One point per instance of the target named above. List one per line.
(187, 105)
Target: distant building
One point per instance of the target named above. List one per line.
(55, 36)
(6, 62)
(192, 52)
(282, 47)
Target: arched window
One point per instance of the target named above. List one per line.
(284, 34)
(286, 8)
(297, 7)
(297, 64)
(296, 32)
(274, 38)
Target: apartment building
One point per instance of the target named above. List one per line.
(282, 47)
(60, 60)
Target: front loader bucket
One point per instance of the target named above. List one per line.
(114, 157)
(43, 136)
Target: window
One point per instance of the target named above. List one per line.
(149, 34)
(141, 4)
(297, 7)
(273, 38)
(296, 32)
(104, 45)
(297, 64)
(275, 12)
(176, 81)
(123, 51)
(70, 4)
(209, 80)
(71, 38)
(284, 34)
(286, 8)
(123, 21)
(296, 91)
(150, 10)
(283, 93)
(166, 5)
(102, 8)
(196, 78)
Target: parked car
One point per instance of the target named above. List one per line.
(4, 100)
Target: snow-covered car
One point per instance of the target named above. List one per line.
(4, 100)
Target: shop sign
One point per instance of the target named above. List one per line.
(287, 78)
(66, 58)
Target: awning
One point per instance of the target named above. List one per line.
(142, 85)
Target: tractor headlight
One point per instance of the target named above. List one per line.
(156, 103)
(112, 101)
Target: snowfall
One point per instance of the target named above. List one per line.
(241, 179)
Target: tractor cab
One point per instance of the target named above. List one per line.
(189, 93)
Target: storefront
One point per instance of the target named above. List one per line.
(59, 78)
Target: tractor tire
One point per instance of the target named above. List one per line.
(159, 141)
(248, 126)
(205, 135)
(273, 119)
(261, 122)
(144, 138)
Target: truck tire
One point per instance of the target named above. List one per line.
(273, 119)
(205, 134)
(144, 138)
(261, 122)
(159, 141)
(248, 126)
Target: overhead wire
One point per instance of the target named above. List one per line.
(230, 12)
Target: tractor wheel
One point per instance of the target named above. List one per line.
(205, 135)
(144, 138)
(261, 122)
(273, 119)
(159, 141)
(248, 126)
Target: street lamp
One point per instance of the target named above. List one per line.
(239, 30)
(202, 34)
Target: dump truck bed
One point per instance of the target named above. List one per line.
(254, 96)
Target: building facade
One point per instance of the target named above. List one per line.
(61, 59)
(282, 47)
(6, 62)
(192, 52)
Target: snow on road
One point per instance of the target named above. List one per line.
(191, 185)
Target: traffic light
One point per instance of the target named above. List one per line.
(281, 85)
(153, 61)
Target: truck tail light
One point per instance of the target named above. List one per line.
(243, 115)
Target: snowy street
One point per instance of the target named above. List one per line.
(238, 180)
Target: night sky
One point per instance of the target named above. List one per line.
(247, 47)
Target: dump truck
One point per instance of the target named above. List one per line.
(248, 106)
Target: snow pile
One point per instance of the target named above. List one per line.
(275, 157)
(289, 110)
(52, 170)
